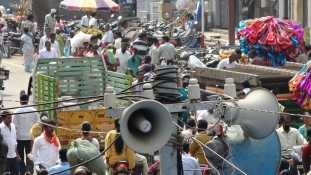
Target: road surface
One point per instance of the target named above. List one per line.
(18, 80)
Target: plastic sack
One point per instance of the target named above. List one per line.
(182, 4)
(78, 40)
(306, 35)
(111, 57)
(85, 150)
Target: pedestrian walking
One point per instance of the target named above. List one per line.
(27, 49)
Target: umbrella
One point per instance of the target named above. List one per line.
(89, 5)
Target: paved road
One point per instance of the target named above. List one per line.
(18, 80)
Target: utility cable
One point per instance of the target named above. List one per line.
(101, 154)
(60, 101)
(56, 108)
(200, 143)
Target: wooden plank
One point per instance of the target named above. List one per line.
(66, 60)
(116, 74)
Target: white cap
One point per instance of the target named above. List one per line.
(184, 55)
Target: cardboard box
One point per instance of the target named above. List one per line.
(165, 7)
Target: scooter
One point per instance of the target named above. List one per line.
(124, 164)
(4, 75)
(295, 160)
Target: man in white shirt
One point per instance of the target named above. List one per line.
(228, 63)
(46, 147)
(192, 61)
(8, 131)
(246, 86)
(23, 132)
(190, 165)
(93, 20)
(166, 50)
(123, 56)
(208, 116)
(54, 43)
(85, 20)
(45, 38)
(288, 136)
(118, 39)
(48, 52)
(189, 132)
(140, 79)
(108, 36)
(153, 51)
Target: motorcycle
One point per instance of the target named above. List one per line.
(37, 36)
(124, 164)
(294, 159)
(4, 75)
(73, 26)
(15, 42)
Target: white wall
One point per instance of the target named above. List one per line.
(282, 9)
(216, 13)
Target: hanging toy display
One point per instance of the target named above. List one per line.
(275, 40)
(300, 85)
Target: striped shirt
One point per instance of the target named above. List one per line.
(50, 21)
(141, 46)
(29, 25)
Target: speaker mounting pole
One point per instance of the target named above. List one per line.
(168, 154)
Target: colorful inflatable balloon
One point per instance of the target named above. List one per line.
(276, 40)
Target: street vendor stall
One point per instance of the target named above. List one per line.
(275, 40)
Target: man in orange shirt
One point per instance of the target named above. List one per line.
(195, 149)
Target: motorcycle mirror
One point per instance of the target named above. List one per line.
(112, 15)
(120, 17)
(196, 22)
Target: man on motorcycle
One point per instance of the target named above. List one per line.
(119, 151)
(195, 149)
(108, 36)
(122, 171)
(288, 136)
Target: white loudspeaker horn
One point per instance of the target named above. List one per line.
(146, 126)
(255, 124)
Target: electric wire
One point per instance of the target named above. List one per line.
(59, 101)
(200, 143)
(56, 108)
(101, 154)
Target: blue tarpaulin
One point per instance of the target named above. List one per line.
(198, 17)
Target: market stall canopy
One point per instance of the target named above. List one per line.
(89, 5)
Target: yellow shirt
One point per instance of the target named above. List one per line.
(35, 131)
(127, 154)
(196, 150)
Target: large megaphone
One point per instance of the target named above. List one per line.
(255, 124)
(146, 126)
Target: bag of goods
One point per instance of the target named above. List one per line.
(91, 31)
(111, 57)
(85, 150)
(275, 40)
(223, 54)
